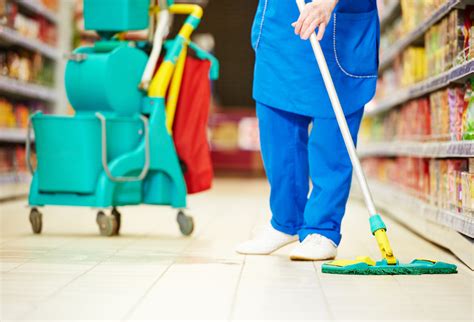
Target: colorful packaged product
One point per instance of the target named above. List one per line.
(435, 181)
(457, 105)
(454, 169)
(468, 193)
(468, 114)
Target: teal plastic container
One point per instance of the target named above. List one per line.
(106, 81)
(116, 15)
(69, 149)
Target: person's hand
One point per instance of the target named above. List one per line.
(315, 14)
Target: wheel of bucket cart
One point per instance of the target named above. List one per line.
(108, 225)
(36, 220)
(118, 217)
(186, 223)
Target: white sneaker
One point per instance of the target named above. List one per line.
(314, 248)
(265, 242)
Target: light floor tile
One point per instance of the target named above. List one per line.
(279, 289)
(191, 291)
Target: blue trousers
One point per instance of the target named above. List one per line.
(292, 156)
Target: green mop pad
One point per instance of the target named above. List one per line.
(416, 267)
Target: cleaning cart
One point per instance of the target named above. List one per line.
(118, 149)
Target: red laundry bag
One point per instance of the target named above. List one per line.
(190, 125)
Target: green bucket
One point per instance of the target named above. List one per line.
(69, 149)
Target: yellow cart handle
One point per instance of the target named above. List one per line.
(162, 79)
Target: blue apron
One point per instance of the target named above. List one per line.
(286, 73)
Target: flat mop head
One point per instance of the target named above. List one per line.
(389, 265)
(366, 266)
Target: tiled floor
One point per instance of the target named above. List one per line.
(151, 272)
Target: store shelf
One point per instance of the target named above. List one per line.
(395, 49)
(462, 149)
(390, 14)
(27, 90)
(13, 135)
(397, 98)
(36, 7)
(445, 228)
(456, 74)
(12, 36)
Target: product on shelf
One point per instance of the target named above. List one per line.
(457, 105)
(444, 183)
(15, 114)
(460, 32)
(468, 113)
(467, 192)
(32, 26)
(414, 65)
(415, 12)
(51, 4)
(455, 168)
(8, 10)
(467, 187)
(13, 161)
(26, 66)
(6, 160)
(446, 114)
(446, 45)
(7, 115)
(439, 104)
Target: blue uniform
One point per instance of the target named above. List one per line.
(290, 95)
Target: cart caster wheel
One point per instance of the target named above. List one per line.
(36, 220)
(118, 218)
(107, 224)
(186, 223)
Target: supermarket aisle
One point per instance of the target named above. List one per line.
(151, 272)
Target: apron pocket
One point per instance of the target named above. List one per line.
(355, 43)
(258, 22)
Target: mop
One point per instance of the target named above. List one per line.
(163, 25)
(364, 265)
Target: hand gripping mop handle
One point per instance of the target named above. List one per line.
(377, 225)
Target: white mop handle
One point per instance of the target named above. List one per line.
(341, 119)
(161, 32)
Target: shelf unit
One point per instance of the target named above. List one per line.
(37, 8)
(448, 229)
(15, 184)
(461, 149)
(27, 90)
(11, 36)
(456, 74)
(388, 56)
(13, 135)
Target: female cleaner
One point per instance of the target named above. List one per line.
(290, 95)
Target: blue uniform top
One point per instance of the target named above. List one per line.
(286, 71)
